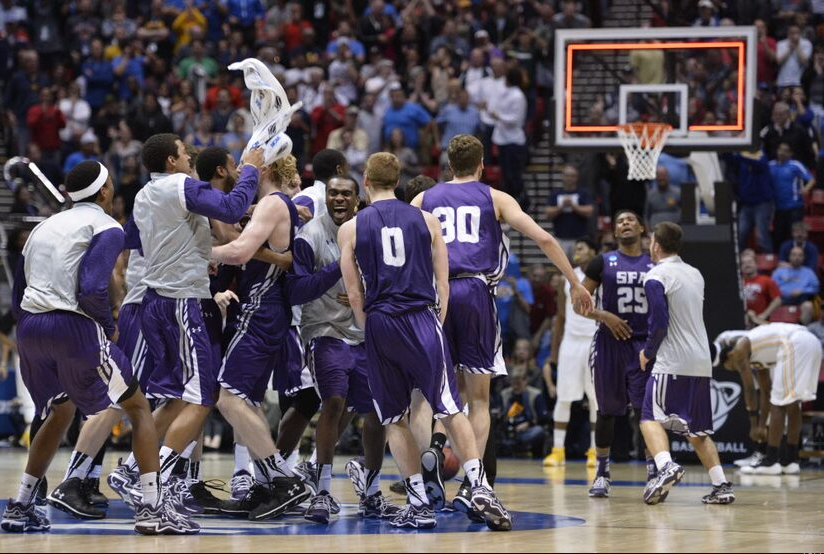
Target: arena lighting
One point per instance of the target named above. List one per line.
(572, 48)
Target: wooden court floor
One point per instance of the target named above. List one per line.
(551, 508)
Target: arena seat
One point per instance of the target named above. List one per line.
(816, 202)
(786, 314)
(766, 263)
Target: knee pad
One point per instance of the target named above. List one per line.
(562, 412)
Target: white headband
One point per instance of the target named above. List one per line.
(94, 187)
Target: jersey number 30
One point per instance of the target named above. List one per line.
(463, 223)
(394, 251)
(632, 300)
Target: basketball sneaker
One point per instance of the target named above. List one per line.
(592, 458)
(257, 495)
(658, 489)
(791, 469)
(308, 473)
(556, 458)
(91, 488)
(70, 498)
(377, 507)
(287, 492)
(180, 495)
(412, 517)
(754, 460)
(357, 474)
(722, 494)
(763, 469)
(18, 518)
(204, 498)
(240, 484)
(320, 508)
(163, 520)
(600, 487)
(432, 470)
(126, 483)
(463, 503)
(490, 508)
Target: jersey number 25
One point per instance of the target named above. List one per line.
(632, 300)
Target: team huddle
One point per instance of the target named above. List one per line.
(387, 312)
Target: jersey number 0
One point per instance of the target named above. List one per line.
(394, 251)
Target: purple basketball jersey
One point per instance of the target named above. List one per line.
(622, 288)
(393, 248)
(471, 231)
(264, 281)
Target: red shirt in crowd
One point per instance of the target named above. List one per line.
(759, 292)
(544, 306)
(766, 67)
(293, 34)
(211, 97)
(324, 122)
(45, 125)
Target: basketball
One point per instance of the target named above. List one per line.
(451, 465)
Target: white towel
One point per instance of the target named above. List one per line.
(271, 110)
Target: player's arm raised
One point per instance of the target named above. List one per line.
(349, 270)
(270, 210)
(511, 213)
(440, 262)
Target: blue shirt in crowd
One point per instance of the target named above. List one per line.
(409, 119)
(457, 122)
(810, 253)
(788, 179)
(790, 279)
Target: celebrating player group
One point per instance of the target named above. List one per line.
(381, 312)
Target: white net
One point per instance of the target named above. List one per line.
(643, 143)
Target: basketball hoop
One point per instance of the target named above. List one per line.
(643, 143)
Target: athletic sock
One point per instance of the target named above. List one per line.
(260, 475)
(652, 468)
(325, 478)
(79, 466)
(168, 461)
(438, 441)
(131, 462)
(28, 489)
(96, 472)
(717, 476)
(662, 459)
(475, 473)
(150, 488)
(242, 459)
(559, 438)
(603, 466)
(313, 459)
(292, 459)
(195, 473)
(772, 456)
(592, 436)
(792, 454)
(373, 482)
(415, 491)
(274, 467)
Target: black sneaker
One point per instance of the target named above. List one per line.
(320, 508)
(69, 497)
(722, 494)
(91, 488)
(41, 498)
(287, 492)
(256, 496)
(411, 517)
(398, 487)
(432, 470)
(377, 507)
(204, 498)
(463, 503)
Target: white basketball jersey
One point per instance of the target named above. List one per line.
(574, 324)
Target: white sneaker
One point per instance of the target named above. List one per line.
(774, 469)
(754, 460)
(791, 469)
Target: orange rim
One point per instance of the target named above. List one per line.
(650, 135)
